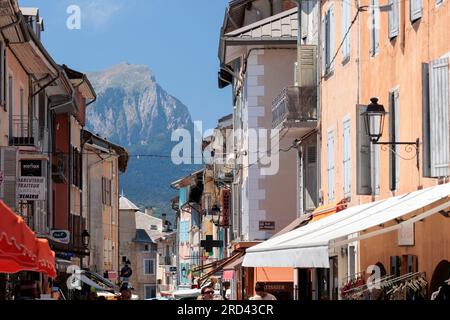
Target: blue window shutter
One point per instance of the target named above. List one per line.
(394, 20)
(439, 118)
(415, 7)
(330, 165)
(363, 154)
(347, 158)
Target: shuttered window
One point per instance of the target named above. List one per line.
(374, 27)
(439, 103)
(394, 19)
(330, 149)
(415, 9)
(327, 41)
(394, 132)
(346, 20)
(363, 155)
(9, 159)
(347, 161)
(310, 190)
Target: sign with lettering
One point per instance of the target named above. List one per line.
(31, 168)
(406, 235)
(60, 236)
(267, 226)
(31, 188)
(226, 208)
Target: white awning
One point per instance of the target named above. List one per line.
(308, 246)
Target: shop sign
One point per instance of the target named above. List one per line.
(31, 168)
(60, 236)
(31, 188)
(267, 226)
(406, 235)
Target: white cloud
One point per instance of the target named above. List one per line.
(98, 13)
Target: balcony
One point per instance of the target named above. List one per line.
(24, 132)
(59, 168)
(295, 108)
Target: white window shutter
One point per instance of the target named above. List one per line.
(375, 169)
(9, 171)
(439, 118)
(305, 6)
(345, 14)
(377, 25)
(347, 158)
(415, 7)
(324, 45)
(331, 26)
(394, 20)
(364, 182)
(330, 165)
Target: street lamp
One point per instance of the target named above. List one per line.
(374, 120)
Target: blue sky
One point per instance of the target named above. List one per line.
(177, 39)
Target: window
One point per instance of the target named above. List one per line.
(330, 147)
(77, 168)
(149, 291)
(146, 248)
(106, 191)
(310, 174)
(436, 119)
(149, 267)
(3, 77)
(347, 158)
(10, 103)
(374, 27)
(346, 20)
(394, 166)
(394, 15)
(363, 154)
(327, 41)
(415, 10)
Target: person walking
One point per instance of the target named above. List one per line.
(261, 294)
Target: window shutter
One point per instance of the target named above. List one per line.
(331, 26)
(305, 14)
(330, 165)
(394, 15)
(394, 136)
(375, 168)
(347, 158)
(311, 178)
(9, 171)
(439, 118)
(307, 69)
(345, 12)
(377, 25)
(364, 182)
(415, 9)
(324, 45)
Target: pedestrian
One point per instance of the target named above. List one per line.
(207, 293)
(125, 292)
(261, 294)
(226, 291)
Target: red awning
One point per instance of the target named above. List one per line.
(228, 275)
(20, 250)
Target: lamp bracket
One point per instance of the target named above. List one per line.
(409, 147)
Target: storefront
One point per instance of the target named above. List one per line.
(365, 238)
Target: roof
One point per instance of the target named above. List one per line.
(125, 204)
(144, 232)
(107, 146)
(28, 11)
(282, 27)
(187, 180)
(81, 81)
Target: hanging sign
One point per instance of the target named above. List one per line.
(406, 235)
(60, 236)
(31, 188)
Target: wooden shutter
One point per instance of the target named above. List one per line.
(415, 7)
(345, 16)
(307, 76)
(9, 172)
(394, 18)
(305, 6)
(331, 38)
(347, 158)
(330, 152)
(324, 44)
(363, 155)
(394, 115)
(375, 168)
(439, 118)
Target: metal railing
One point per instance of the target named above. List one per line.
(24, 131)
(165, 261)
(294, 106)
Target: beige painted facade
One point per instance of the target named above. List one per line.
(392, 72)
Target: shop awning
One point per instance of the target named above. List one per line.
(308, 246)
(20, 250)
